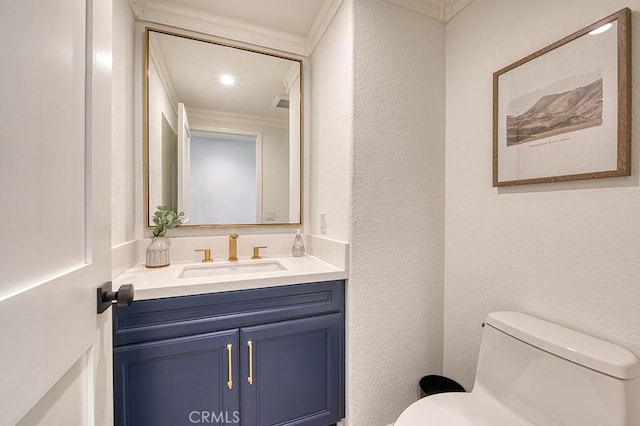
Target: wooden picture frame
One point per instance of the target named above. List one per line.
(564, 112)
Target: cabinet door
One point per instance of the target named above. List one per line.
(293, 371)
(179, 381)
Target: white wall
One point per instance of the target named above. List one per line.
(395, 289)
(567, 252)
(275, 175)
(331, 123)
(275, 156)
(222, 178)
(295, 160)
(122, 128)
(163, 106)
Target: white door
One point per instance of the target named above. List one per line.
(55, 111)
(184, 158)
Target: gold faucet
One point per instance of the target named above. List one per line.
(207, 255)
(256, 252)
(233, 247)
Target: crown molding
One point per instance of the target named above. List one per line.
(137, 7)
(220, 26)
(456, 7)
(200, 117)
(187, 18)
(441, 10)
(423, 7)
(320, 25)
(292, 75)
(166, 13)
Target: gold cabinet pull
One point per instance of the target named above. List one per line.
(250, 378)
(230, 382)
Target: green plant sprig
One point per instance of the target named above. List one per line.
(165, 219)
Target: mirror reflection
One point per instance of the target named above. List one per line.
(223, 132)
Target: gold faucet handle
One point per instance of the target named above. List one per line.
(207, 255)
(256, 252)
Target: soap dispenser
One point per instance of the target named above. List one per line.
(298, 245)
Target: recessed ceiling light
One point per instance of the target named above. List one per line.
(601, 29)
(227, 79)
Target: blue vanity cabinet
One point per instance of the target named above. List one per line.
(294, 372)
(253, 357)
(177, 381)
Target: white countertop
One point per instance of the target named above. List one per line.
(153, 283)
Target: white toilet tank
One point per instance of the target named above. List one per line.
(551, 375)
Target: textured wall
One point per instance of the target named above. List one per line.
(122, 130)
(568, 252)
(396, 279)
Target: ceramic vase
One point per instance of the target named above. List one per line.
(158, 252)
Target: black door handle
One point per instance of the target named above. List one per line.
(107, 297)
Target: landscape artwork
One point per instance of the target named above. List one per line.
(556, 114)
(563, 113)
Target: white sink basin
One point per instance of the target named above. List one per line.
(251, 267)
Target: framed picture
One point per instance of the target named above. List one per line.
(564, 112)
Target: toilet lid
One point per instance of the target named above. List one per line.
(458, 409)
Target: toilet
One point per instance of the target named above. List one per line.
(533, 372)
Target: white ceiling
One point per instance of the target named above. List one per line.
(191, 72)
(289, 16)
(293, 26)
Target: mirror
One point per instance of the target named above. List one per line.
(223, 132)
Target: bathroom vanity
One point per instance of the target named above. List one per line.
(259, 351)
